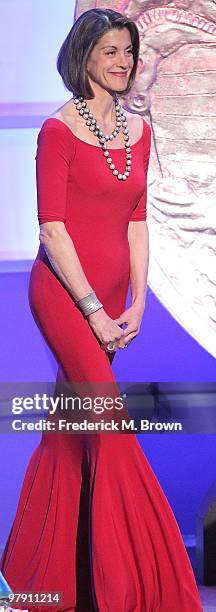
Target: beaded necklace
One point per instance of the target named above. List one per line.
(121, 119)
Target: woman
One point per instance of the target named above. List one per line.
(93, 521)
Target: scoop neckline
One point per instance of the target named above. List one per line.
(89, 143)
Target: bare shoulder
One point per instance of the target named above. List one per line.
(133, 117)
(65, 112)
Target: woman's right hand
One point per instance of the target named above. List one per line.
(106, 330)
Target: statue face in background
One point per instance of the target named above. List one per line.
(175, 91)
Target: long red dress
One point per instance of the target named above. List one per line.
(92, 519)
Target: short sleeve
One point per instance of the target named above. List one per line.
(52, 166)
(140, 212)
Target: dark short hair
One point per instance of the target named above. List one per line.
(84, 34)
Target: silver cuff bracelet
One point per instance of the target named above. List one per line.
(89, 304)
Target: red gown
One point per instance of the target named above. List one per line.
(92, 520)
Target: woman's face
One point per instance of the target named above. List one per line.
(111, 60)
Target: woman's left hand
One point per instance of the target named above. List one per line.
(133, 319)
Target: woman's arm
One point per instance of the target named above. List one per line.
(63, 257)
(138, 238)
(139, 258)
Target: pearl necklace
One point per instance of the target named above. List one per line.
(81, 106)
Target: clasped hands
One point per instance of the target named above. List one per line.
(132, 317)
